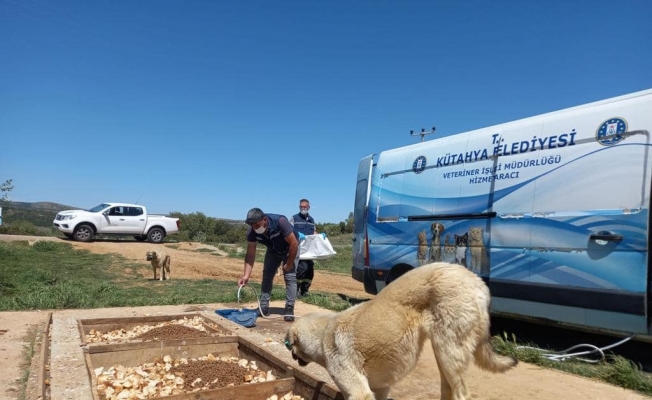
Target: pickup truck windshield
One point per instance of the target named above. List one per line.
(98, 208)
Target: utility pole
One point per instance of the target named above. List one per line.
(423, 132)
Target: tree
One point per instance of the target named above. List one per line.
(5, 189)
(349, 223)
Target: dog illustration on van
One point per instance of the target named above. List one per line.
(437, 230)
(479, 256)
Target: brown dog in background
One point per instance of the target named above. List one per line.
(159, 260)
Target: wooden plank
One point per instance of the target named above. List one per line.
(103, 348)
(91, 376)
(44, 357)
(308, 387)
(259, 391)
(154, 318)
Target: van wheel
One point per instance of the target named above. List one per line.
(396, 272)
(83, 233)
(156, 235)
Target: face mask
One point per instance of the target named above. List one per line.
(304, 212)
(260, 230)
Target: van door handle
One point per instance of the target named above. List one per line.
(605, 236)
(122, 219)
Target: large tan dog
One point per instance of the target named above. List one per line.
(161, 261)
(370, 347)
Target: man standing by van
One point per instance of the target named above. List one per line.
(275, 232)
(304, 224)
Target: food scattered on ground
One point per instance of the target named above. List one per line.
(184, 328)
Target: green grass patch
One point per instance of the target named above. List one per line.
(232, 251)
(51, 275)
(615, 370)
(340, 263)
(345, 239)
(330, 301)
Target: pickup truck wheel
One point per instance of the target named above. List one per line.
(140, 238)
(83, 233)
(156, 235)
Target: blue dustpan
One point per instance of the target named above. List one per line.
(244, 317)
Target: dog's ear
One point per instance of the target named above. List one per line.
(293, 333)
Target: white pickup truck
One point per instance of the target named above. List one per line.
(115, 219)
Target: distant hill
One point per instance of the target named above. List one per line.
(40, 213)
(39, 205)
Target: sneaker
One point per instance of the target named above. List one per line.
(265, 312)
(289, 314)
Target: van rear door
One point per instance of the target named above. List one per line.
(363, 182)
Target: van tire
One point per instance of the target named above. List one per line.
(156, 235)
(396, 272)
(83, 233)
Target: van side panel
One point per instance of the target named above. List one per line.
(551, 210)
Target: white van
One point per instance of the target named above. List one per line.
(552, 211)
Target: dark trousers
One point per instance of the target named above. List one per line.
(270, 266)
(305, 274)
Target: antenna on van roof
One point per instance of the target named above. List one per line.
(423, 132)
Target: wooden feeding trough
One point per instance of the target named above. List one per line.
(194, 327)
(270, 377)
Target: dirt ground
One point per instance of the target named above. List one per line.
(526, 381)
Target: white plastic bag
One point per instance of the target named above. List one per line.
(315, 247)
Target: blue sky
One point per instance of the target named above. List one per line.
(221, 106)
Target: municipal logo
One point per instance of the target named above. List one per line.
(610, 132)
(419, 165)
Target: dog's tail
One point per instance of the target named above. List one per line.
(487, 359)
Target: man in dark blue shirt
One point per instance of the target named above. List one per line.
(304, 223)
(275, 232)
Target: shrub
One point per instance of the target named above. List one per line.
(19, 227)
